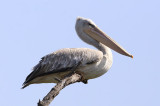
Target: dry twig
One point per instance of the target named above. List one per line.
(62, 84)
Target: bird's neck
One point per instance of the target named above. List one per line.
(106, 51)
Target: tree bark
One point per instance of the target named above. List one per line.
(73, 78)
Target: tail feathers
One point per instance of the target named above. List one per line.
(25, 85)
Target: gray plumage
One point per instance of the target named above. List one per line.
(64, 60)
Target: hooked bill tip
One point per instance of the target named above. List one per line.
(131, 56)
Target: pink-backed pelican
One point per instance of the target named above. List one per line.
(88, 62)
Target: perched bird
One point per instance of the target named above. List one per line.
(89, 63)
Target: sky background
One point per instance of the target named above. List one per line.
(31, 29)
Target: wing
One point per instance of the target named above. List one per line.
(64, 60)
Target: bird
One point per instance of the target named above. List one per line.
(90, 63)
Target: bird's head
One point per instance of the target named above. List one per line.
(89, 32)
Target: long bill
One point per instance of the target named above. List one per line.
(100, 36)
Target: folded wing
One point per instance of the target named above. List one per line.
(64, 60)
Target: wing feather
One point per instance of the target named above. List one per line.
(64, 60)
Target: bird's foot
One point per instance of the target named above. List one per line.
(85, 81)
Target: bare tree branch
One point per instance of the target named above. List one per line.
(73, 78)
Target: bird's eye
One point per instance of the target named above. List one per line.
(91, 25)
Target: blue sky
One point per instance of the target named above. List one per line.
(33, 28)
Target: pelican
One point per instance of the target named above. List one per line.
(89, 63)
